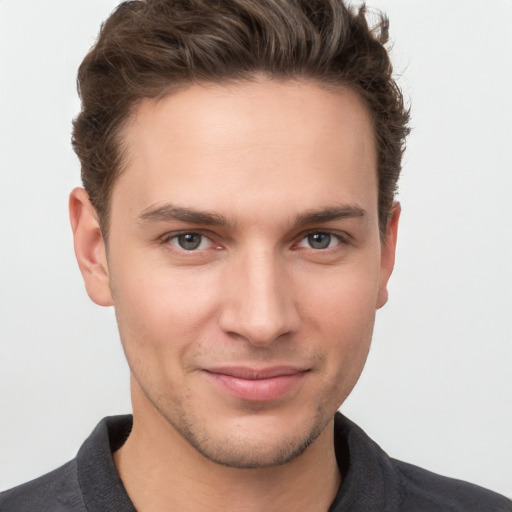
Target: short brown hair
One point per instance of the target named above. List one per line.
(147, 48)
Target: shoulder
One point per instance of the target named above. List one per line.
(89, 482)
(374, 481)
(423, 490)
(57, 491)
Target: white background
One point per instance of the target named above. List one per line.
(437, 390)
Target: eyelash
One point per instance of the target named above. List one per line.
(342, 239)
(175, 236)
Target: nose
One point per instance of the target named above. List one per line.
(259, 304)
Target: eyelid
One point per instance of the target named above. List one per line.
(166, 239)
(342, 236)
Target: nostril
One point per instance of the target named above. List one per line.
(260, 330)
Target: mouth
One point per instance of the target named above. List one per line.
(256, 384)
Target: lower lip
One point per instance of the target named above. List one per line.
(257, 390)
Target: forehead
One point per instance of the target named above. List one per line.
(220, 146)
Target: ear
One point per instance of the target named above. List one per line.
(387, 258)
(90, 248)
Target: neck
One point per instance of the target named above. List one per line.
(161, 471)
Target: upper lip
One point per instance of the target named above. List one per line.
(245, 372)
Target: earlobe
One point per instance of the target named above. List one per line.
(387, 261)
(90, 247)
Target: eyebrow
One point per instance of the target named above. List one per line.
(330, 214)
(169, 212)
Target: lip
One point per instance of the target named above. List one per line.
(256, 384)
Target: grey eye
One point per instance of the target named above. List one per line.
(319, 240)
(189, 241)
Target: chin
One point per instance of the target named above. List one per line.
(254, 441)
(242, 453)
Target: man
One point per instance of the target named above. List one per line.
(239, 161)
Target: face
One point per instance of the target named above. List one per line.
(245, 264)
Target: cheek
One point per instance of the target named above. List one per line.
(341, 317)
(344, 299)
(160, 312)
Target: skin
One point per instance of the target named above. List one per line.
(260, 175)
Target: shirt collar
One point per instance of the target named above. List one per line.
(368, 479)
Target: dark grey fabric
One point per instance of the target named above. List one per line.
(89, 483)
(376, 482)
(372, 481)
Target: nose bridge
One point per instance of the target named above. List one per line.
(260, 306)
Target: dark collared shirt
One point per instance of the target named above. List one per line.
(371, 481)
